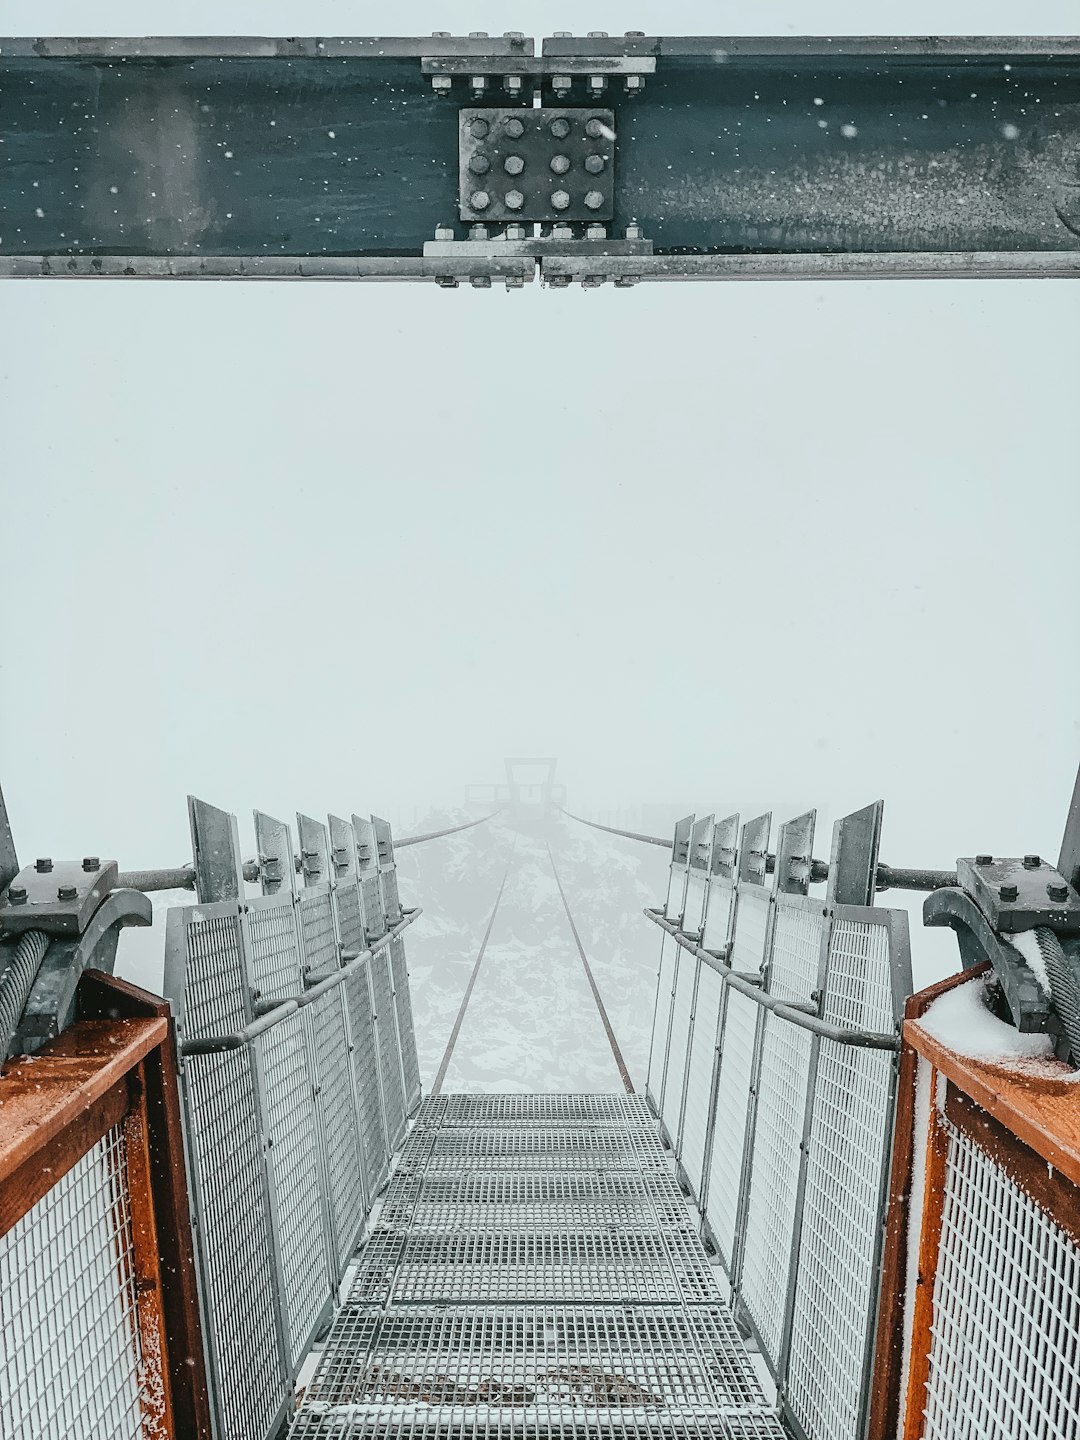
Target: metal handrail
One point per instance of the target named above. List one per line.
(787, 1010)
(272, 1012)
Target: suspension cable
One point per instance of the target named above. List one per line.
(456, 1031)
(438, 834)
(620, 1063)
(610, 830)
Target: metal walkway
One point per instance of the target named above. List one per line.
(534, 1271)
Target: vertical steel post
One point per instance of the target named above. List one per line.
(723, 869)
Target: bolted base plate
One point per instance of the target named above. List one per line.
(536, 165)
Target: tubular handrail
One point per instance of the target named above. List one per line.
(786, 1009)
(271, 1012)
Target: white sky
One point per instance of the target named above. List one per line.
(313, 546)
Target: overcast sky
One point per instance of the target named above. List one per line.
(314, 546)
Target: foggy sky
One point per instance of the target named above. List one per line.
(346, 546)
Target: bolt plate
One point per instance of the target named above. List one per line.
(535, 181)
(1032, 905)
(44, 910)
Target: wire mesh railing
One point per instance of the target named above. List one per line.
(772, 1075)
(298, 1075)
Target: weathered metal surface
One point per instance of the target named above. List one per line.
(536, 165)
(734, 157)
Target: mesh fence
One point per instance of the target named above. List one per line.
(366, 1078)
(1004, 1354)
(678, 1044)
(699, 1075)
(738, 1028)
(315, 910)
(406, 1032)
(340, 1123)
(661, 1020)
(389, 1047)
(73, 1363)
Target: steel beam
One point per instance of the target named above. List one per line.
(731, 158)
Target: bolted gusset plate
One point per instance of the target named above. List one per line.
(536, 165)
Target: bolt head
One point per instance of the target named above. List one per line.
(479, 128)
(635, 34)
(633, 232)
(596, 232)
(91, 862)
(478, 84)
(515, 232)
(1008, 893)
(597, 34)
(514, 128)
(595, 128)
(479, 164)
(43, 866)
(515, 282)
(480, 282)
(562, 232)
(560, 200)
(444, 232)
(1057, 892)
(514, 199)
(441, 84)
(561, 85)
(446, 282)
(1032, 862)
(513, 164)
(984, 859)
(560, 128)
(560, 164)
(594, 164)
(17, 895)
(634, 84)
(478, 232)
(593, 200)
(479, 200)
(66, 892)
(597, 84)
(591, 282)
(512, 84)
(558, 282)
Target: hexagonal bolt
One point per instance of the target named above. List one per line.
(479, 35)
(594, 164)
(984, 859)
(479, 200)
(444, 232)
(1057, 892)
(591, 282)
(512, 84)
(596, 232)
(479, 128)
(514, 232)
(1008, 893)
(597, 34)
(1032, 862)
(560, 200)
(479, 164)
(513, 34)
(478, 232)
(514, 128)
(559, 128)
(624, 282)
(513, 164)
(635, 34)
(442, 84)
(66, 892)
(562, 232)
(91, 862)
(560, 164)
(446, 282)
(634, 84)
(478, 84)
(597, 84)
(558, 282)
(480, 282)
(43, 866)
(633, 232)
(17, 895)
(515, 282)
(595, 129)
(513, 199)
(440, 34)
(594, 199)
(561, 85)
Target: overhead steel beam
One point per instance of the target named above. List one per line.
(715, 158)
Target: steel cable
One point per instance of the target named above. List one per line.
(17, 982)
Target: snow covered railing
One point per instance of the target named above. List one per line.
(772, 1072)
(98, 1312)
(980, 1308)
(299, 1072)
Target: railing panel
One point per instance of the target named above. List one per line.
(751, 931)
(732, 1103)
(678, 1046)
(315, 910)
(410, 1063)
(699, 1073)
(366, 1072)
(344, 1154)
(665, 986)
(393, 1089)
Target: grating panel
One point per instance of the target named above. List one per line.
(665, 986)
(315, 908)
(234, 1240)
(858, 991)
(718, 915)
(536, 1109)
(1004, 1358)
(389, 1048)
(733, 1098)
(750, 932)
(679, 1042)
(695, 1123)
(72, 1361)
(274, 947)
(350, 921)
(297, 1184)
(406, 1030)
(366, 1077)
(339, 1127)
(214, 996)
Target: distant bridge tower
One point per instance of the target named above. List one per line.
(529, 794)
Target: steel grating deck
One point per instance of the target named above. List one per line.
(534, 1274)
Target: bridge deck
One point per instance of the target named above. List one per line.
(534, 1271)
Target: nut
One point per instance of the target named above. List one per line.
(17, 895)
(441, 84)
(560, 200)
(91, 862)
(514, 199)
(562, 232)
(594, 164)
(561, 86)
(514, 128)
(593, 200)
(1008, 893)
(595, 128)
(1032, 862)
(596, 232)
(597, 84)
(513, 164)
(984, 859)
(478, 232)
(634, 84)
(478, 84)
(444, 232)
(480, 282)
(66, 892)
(515, 232)
(479, 199)
(479, 128)
(560, 164)
(512, 84)
(446, 282)
(43, 867)
(1057, 891)
(560, 128)
(479, 164)
(633, 232)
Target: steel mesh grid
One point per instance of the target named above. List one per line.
(733, 1099)
(393, 1422)
(215, 997)
(695, 1123)
(390, 897)
(555, 1109)
(665, 985)
(389, 1047)
(297, 1184)
(1004, 1357)
(371, 905)
(538, 1358)
(679, 1043)
(838, 1250)
(339, 1128)
(496, 1188)
(779, 1119)
(315, 907)
(350, 921)
(795, 956)
(561, 1215)
(858, 989)
(489, 1143)
(751, 931)
(233, 1236)
(406, 1029)
(718, 915)
(694, 906)
(366, 1078)
(676, 892)
(72, 1357)
(274, 947)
